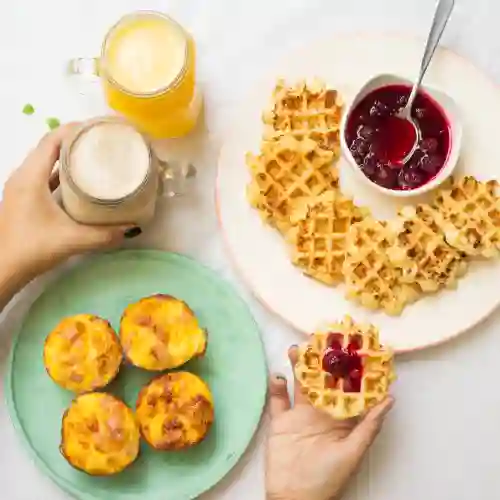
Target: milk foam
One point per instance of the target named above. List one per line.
(109, 161)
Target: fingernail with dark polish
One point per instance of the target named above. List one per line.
(133, 232)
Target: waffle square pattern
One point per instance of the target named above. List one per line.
(318, 237)
(343, 370)
(421, 252)
(468, 213)
(371, 278)
(286, 171)
(306, 111)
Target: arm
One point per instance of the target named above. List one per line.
(35, 232)
(12, 279)
(310, 456)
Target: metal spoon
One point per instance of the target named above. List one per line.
(441, 16)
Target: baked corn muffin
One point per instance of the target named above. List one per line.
(100, 435)
(82, 353)
(161, 332)
(175, 411)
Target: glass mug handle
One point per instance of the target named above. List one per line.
(174, 177)
(85, 66)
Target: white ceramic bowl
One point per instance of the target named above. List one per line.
(451, 111)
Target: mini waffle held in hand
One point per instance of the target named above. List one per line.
(303, 110)
(344, 370)
(286, 171)
(421, 252)
(371, 278)
(469, 215)
(319, 233)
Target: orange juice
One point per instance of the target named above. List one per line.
(148, 70)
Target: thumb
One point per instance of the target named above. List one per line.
(279, 400)
(362, 437)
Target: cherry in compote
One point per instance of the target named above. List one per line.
(379, 141)
(344, 362)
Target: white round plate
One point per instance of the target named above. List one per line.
(261, 255)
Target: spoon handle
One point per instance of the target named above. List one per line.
(441, 16)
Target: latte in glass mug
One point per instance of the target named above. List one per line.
(109, 174)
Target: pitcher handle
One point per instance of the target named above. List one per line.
(85, 66)
(174, 177)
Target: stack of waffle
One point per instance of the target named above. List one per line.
(384, 264)
(298, 152)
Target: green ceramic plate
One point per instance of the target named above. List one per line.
(234, 367)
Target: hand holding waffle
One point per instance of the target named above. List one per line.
(311, 456)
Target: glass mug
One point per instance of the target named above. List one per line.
(109, 174)
(148, 70)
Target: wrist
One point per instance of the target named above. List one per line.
(18, 262)
(270, 496)
(13, 277)
(14, 269)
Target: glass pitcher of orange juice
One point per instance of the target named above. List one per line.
(148, 70)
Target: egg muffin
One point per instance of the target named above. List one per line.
(100, 435)
(82, 353)
(161, 332)
(175, 411)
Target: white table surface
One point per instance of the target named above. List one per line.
(440, 443)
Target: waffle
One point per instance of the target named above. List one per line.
(303, 110)
(352, 384)
(371, 278)
(421, 252)
(468, 212)
(319, 233)
(286, 171)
